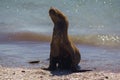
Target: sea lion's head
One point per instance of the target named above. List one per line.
(58, 17)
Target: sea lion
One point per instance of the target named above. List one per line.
(63, 53)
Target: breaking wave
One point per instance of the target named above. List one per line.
(92, 40)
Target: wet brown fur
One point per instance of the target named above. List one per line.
(63, 53)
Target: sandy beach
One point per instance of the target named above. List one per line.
(39, 74)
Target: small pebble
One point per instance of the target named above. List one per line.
(106, 77)
(41, 76)
(23, 71)
(14, 73)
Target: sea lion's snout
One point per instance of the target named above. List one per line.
(53, 14)
(52, 11)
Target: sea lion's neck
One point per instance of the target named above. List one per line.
(61, 28)
(61, 31)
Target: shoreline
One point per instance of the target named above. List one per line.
(39, 74)
(15, 56)
(19, 54)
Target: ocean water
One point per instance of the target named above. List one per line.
(94, 24)
(91, 21)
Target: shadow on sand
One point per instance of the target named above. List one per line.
(66, 72)
(60, 72)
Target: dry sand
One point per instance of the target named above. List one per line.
(39, 74)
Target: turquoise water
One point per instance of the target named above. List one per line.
(26, 29)
(89, 19)
(95, 16)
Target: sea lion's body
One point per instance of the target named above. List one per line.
(63, 53)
